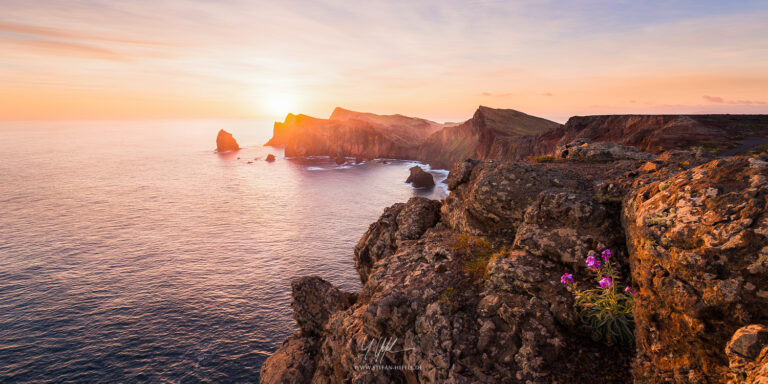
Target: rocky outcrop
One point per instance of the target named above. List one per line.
(468, 290)
(699, 254)
(420, 179)
(399, 222)
(226, 142)
(270, 157)
(292, 363)
(314, 299)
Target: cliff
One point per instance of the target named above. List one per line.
(489, 134)
(509, 135)
(468, 289)
(352, 133)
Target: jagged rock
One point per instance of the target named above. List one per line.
(564, 226)
(495, 195)
(420, 179)
(586, 150)
(695, 240)
(460, 173)
(747, 353)
(352, 133)
(314, 300)
(270, 157)
(226, 142)
(292, 363)
(399, 222)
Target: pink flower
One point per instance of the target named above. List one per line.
(629, 290)
(606, 282)
(606, 254)
(567, 278)
(593, 263)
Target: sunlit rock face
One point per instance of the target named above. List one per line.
(354, 134)
(699, 255)
(501, 134)
(226, 142)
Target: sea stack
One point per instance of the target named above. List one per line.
(420, 179)
(226, 142)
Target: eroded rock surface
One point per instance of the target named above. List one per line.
(698, 254)
(688, 231)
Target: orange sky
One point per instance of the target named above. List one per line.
(440, 60)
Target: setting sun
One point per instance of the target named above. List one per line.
(279, 104)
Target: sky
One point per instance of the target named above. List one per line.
(143, 59)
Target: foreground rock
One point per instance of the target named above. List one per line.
(467, 290)
(420, 179)
(226, 142)
(270, 157)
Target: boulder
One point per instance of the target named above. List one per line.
(270, 157)
(358, 159)
(226, 142)
(340, 160)
(420, 179)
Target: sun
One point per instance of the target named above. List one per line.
(279, 104)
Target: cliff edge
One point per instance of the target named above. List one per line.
(468, 289)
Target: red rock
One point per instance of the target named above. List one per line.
(225, 142)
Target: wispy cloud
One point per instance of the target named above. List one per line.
(720, 100)
(34, 30)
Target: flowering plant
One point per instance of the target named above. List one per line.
(605, 310)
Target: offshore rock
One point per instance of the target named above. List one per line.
(420, 179)
(226, 142)
(270, 157)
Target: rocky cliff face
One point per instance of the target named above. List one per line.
(509, 135)
(354, 134)
(489, 134)
(467, 290)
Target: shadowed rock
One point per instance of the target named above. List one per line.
(314, 299)
(420, 179)
(340, 160)
(226, 142)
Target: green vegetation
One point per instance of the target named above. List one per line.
(544, 159)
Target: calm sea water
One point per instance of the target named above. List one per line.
(131, 251)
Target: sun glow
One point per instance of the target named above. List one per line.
(278, 104)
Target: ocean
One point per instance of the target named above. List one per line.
(130, 251)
